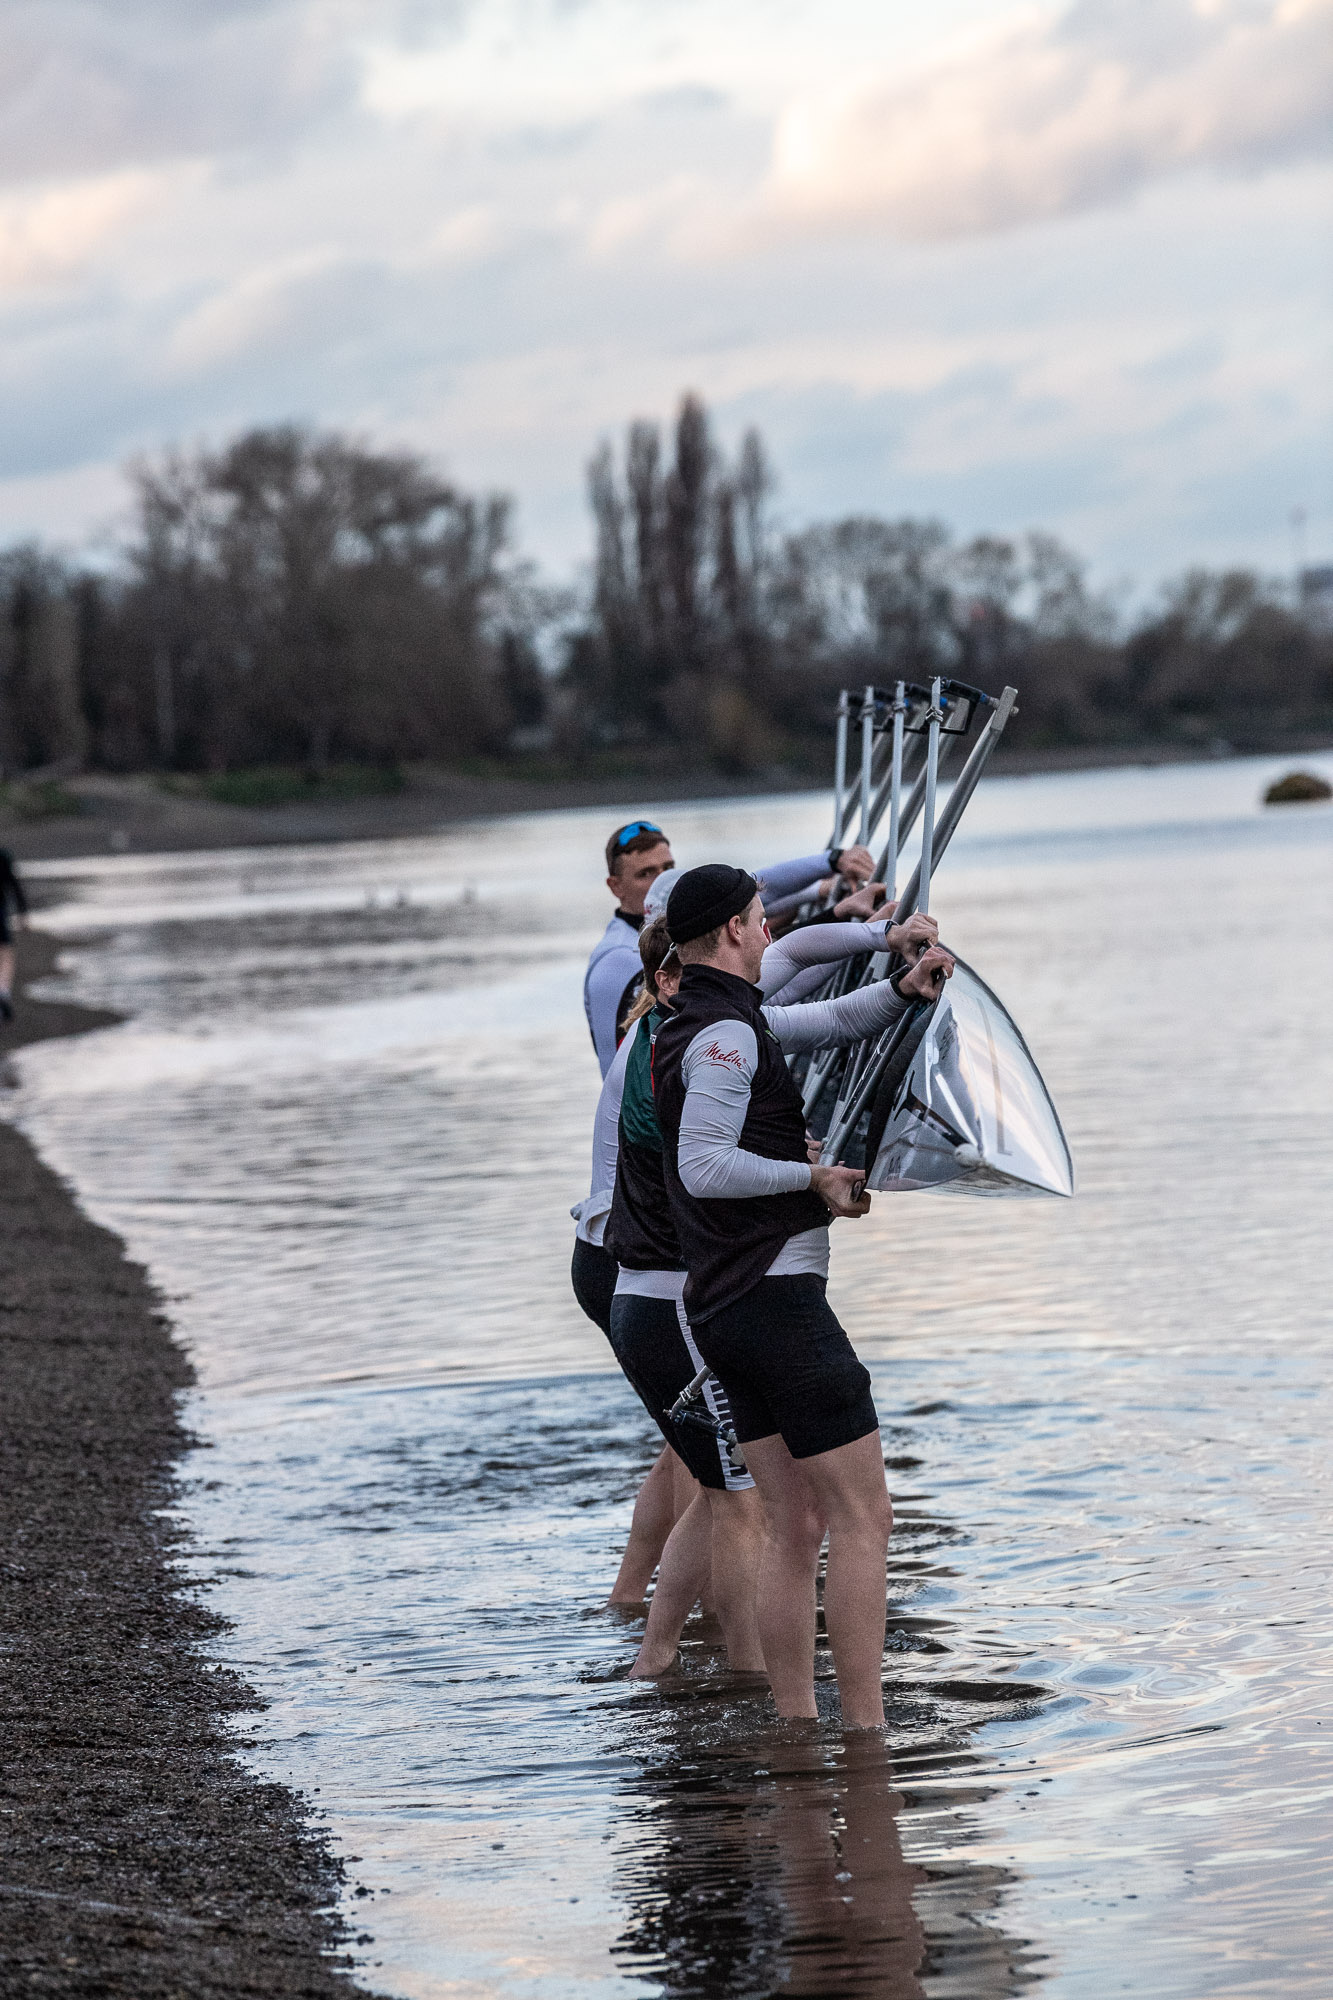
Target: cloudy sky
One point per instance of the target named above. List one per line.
(1015, 265)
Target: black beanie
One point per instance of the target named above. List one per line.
(705, 897)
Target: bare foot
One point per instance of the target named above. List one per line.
(652, 1666)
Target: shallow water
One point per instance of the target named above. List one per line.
(343, 1127)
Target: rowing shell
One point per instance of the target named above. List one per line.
(972, 1114)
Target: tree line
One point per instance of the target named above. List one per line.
(291, 597)
(301, 598)
(710, 628)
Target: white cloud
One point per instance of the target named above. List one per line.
(90, 84)
(458, 274)
(547, 64)
(264, 309)
(466, 236)
(50, 233)
(1050, 117)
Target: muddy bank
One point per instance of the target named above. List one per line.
(135, 815)
(137, 1855)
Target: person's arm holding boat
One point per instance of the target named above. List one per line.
(637, 855)
(793, 965)
(784, 884)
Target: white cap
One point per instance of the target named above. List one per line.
(655, 902)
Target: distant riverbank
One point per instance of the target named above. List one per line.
(53, 820)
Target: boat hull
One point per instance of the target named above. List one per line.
(972, 1115)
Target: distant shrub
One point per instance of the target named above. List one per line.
(284, 785)
(1298, 788)
(43, 798)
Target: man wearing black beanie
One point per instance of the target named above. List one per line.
(752, 1217)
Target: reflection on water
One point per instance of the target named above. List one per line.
(429, 1596)
(343, 1126)
(789, 1874)
(772, 1860)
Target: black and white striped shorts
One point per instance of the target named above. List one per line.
(654, 1346)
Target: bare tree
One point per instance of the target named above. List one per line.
(685, 539)
(41, 716)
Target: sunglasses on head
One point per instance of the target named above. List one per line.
(634, 829)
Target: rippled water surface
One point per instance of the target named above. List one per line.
(343, 1124)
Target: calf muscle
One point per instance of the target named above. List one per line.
(841, 1492)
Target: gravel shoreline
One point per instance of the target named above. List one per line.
(138, 1855)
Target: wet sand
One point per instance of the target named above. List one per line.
(137, 1854)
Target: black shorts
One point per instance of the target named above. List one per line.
(654, 1346)
(788, 1367)
(593, 1275)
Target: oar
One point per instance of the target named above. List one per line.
(966, 783)
(867, 759)
(935, 718)
(847, 1116)
(890, 877)
(839, 767)
(823, 1064)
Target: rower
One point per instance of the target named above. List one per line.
(636, 854)
(650, 1333)
(752, 1217)
(717, 1538)
(662, 1498)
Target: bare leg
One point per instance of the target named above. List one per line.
(654, 1518)
(687, 1490)
(682, 1575)
(6, 968)
(843, 1490)
(793, 1536)
(849, 1489)
(737, 1545)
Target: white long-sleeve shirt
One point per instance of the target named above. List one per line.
(614, 969)
(590, 1214)
(818, 1024)
(718, 1069)
(796, 964)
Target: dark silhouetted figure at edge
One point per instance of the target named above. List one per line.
(13, 911)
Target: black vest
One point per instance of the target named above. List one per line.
(729, 1244)
(640, 1233)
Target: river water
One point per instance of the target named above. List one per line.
(343, 1124)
